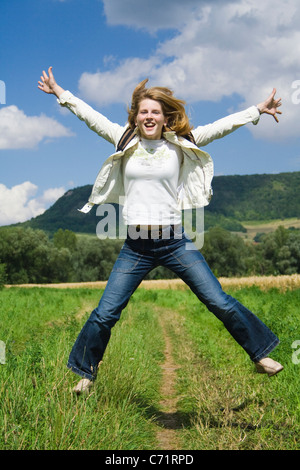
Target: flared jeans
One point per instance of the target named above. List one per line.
(136, 259)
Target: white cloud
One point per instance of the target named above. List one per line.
(221, 48)
(20, 131)
(116, 85)
(153, 15)
(19, 203)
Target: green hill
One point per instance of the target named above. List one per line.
(64, 213)
(257, 197)
(236, 198)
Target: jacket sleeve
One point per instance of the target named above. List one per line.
(205, 134)
(98, 123)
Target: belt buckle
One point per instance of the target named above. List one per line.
(156, 232)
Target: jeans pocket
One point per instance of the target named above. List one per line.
(127, 261)
(188, 258)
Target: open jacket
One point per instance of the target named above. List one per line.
(196, 172)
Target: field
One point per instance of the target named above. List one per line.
(267, 226)
(172, 377)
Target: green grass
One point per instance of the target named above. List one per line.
(222, 402)
(37, 408)
(231, 406)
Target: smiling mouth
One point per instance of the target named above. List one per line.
(149, 125)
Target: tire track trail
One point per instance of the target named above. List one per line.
(168, 419)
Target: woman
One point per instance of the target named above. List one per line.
(160, 166)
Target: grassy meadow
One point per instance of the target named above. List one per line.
(171, 378)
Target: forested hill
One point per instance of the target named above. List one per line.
(236, 198)
(257, 197)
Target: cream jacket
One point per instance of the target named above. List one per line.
(196, 174)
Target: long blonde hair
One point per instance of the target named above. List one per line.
(173, 108)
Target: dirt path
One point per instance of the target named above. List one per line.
(168, 420)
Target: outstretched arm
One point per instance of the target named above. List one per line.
(49, 85)
(222, 127)
(270, 105)
(94, 120)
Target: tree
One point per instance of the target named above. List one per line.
(93, 259)
(3, 277)
(226, 254)
(30, 257)
(280, 252)
(65, 239)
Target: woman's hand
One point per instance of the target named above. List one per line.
(270, 105)
(49, 85)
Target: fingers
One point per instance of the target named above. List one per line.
(275, 104)
(43, 82)
(270, 98)
(46, 77)
(272, 112)
(274, 115)
(277, 112)
(270, 105)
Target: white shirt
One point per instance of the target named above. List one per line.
(151, 173)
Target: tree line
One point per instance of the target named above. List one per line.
(32, 256)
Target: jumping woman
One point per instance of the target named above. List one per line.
(159, 165)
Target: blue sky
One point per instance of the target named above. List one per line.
(219, 56)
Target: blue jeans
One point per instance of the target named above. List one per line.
(136, 259)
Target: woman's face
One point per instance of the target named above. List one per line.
(150, 119)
